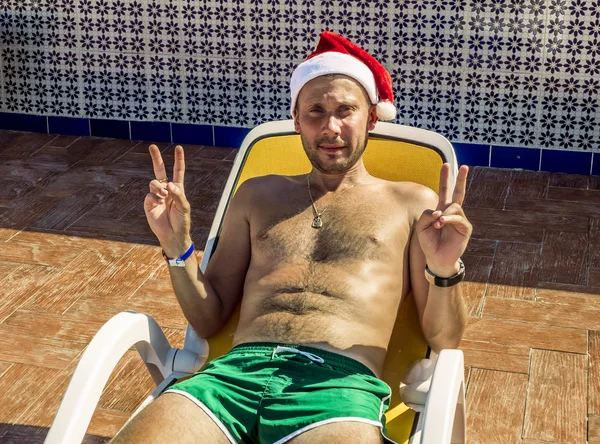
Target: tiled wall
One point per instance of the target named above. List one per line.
(498, 73)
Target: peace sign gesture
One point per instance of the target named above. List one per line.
(166, 207)
(444, 232)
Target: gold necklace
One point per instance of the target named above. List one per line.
(317, 221)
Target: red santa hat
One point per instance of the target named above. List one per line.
(337, 55)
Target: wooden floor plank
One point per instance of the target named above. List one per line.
(496, 404)
(474, 288)
(542, 313)
(519, 334)
(594, 246)
(21, 285)
(488, 188)
(529, 219)
(594, 374)
(36, 350)
(556, 401)
(514, 275)
(594, 429)
(491, 356)
(20, 388)
(4, 366)
(107, 423)
(52, 326)
(564, 257)
(570, 298)
(53, 249)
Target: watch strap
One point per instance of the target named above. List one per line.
(446, 282)
(180, 261)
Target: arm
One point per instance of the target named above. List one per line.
(442, 312)
(206, 300)
(438, 240)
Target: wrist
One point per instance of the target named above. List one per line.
(174, 250)
(444, 271)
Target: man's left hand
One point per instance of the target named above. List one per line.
(444, 232)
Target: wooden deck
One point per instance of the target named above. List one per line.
(76, 250)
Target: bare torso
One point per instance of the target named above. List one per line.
(337, 288)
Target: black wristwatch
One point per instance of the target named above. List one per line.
(445, 282)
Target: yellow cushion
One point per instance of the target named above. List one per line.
(387, 159)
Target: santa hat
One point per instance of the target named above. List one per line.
(337, 55)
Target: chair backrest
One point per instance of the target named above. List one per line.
(394, 152)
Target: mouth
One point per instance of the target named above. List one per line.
(332, 148)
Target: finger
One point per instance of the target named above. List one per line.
(179, 199)
(444, 193)
(157, 162)
(460, 189)
(461, 223)
(159, 188)
(151, 201)
(454, 209)
(179, 166)
(427, 219)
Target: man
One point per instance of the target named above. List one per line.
(323, 262)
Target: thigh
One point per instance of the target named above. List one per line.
(171, 418)
(343, 432)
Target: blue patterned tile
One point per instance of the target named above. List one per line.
(472, 154)
(69, 125)
(192, 134)
(230, 137)
(514, 157)
(151, 131)
(117, 129)
(572, 162)
(23, 122)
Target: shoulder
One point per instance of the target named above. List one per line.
(262, 189)
(263, 185)
(415, 197)
(414, 193)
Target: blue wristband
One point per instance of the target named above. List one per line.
(179, 262)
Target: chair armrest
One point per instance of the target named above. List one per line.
(444, 415)
(99, 360)
(435, 388)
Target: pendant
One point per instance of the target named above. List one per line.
(317, 222)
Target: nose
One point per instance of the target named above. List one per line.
(333, 125)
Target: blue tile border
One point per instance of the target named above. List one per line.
(230, 137)
(596, 164)
(116, 129)
(472, 154)
(192, 134)
(515, 157)
(72, 126)
(151, 131)
(571, 162)
(23, 122)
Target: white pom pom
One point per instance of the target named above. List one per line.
(386, 111)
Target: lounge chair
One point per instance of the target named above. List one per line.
(433, 411)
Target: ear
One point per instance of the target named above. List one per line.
(373, 119)
(296, 122)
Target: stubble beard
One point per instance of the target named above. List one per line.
(312, 153)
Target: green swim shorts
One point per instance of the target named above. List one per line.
(270, 393)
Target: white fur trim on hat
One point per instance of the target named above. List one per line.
(386, 111)
(332, 63)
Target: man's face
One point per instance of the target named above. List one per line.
(333, 117)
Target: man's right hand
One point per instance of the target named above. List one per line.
(167, 209)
